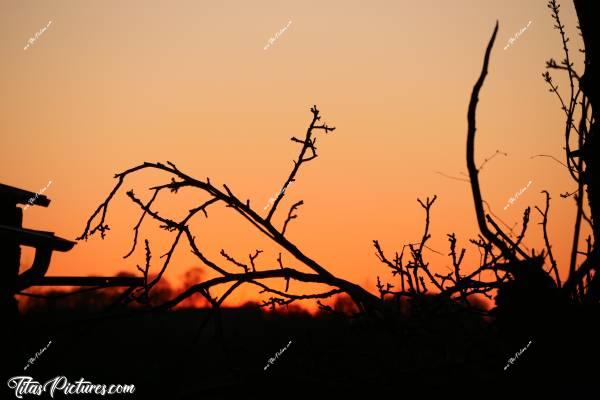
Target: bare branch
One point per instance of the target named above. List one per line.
(253, 257)
(290, 215)
(544, 224)
(233, 261)
(472, 168)
(307, 144)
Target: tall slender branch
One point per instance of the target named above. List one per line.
(307, 144)
(471, 166)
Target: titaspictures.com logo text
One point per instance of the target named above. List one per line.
(26, 385)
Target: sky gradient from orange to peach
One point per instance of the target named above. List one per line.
(111, 84)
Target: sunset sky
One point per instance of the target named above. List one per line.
(112, 84)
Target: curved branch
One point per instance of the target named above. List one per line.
(290, 273)
(471, 166)
(363, 298)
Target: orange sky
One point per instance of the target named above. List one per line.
(115, 83)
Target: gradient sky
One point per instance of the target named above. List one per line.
(111, 84)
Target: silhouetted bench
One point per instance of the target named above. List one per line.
(13, 235)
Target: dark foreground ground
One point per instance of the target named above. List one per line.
(167, 356)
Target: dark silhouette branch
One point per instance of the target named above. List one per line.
(253, 257)
(544, 224)
(307, 144)
(471, 166)
(233, 261)
(96, 222)
(290, 215)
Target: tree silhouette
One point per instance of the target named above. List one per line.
(433, 317)
(524, 281)
(529, 281)
(251, 274)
